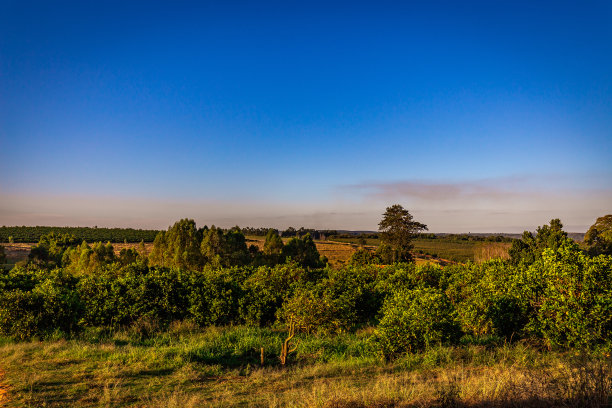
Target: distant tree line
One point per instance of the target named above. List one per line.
(429, 235)
(185, 246)
(33, 234)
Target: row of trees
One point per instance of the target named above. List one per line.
(185, 246)
(95, 234)
(34, 234)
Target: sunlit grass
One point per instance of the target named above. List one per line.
(187, 367)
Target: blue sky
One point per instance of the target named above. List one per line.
(476, 116)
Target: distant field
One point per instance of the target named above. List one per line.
(339, 252)
(20, 251)
(451, 250)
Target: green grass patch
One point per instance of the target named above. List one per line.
(188, 367)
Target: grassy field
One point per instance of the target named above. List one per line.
(338, 253)
(185, 367)
(446, 249)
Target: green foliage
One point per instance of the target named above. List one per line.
(121, 297)
(311, 311)
(235, 251)
(562, 298)
(362, 257)
(486, 300)
(129, 255)
(214, 296)
(266, 289)
(273, 244)
(387, 255)
(178, 247)
(355, 293)
(225, 249)
(303, 251)
(529, 248)
(2, 255)
(85, 259)
(397, 229)
(414, 320)
(408, 276)
(599, 236)
(51, 247)
(576, 303)
(273, 247)
(40, 306)
(34, 234)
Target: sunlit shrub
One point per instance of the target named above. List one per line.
(416, 319)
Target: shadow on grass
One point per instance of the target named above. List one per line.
(233, 359)
(533, 402)
(150, 372)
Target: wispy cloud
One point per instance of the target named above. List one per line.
(427, 190)
(494, 204)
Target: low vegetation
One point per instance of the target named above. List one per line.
(203, 319)
(185, 366)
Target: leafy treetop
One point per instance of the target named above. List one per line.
(397, 229)
(599, 236)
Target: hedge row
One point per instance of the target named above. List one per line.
(564, 299)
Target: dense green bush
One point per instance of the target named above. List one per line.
(313, 312)
(576, 304)
(485, 300)
(266, 289)
(529, 248)
(86, 259)
(214, 296)
(49, 305)
(121, 297)
(303, 251)
(51, 247)
(416, 319)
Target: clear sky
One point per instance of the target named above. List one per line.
(476, 116)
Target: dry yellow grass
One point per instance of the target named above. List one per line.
(491, 250)
(337, 253)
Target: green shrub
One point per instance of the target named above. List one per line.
(265, 290)
(113, 298)
(52, 304)
(312, 312)
(362, 257)
(486, 301)
(416, 319)
(576, 304)
(214, 296)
